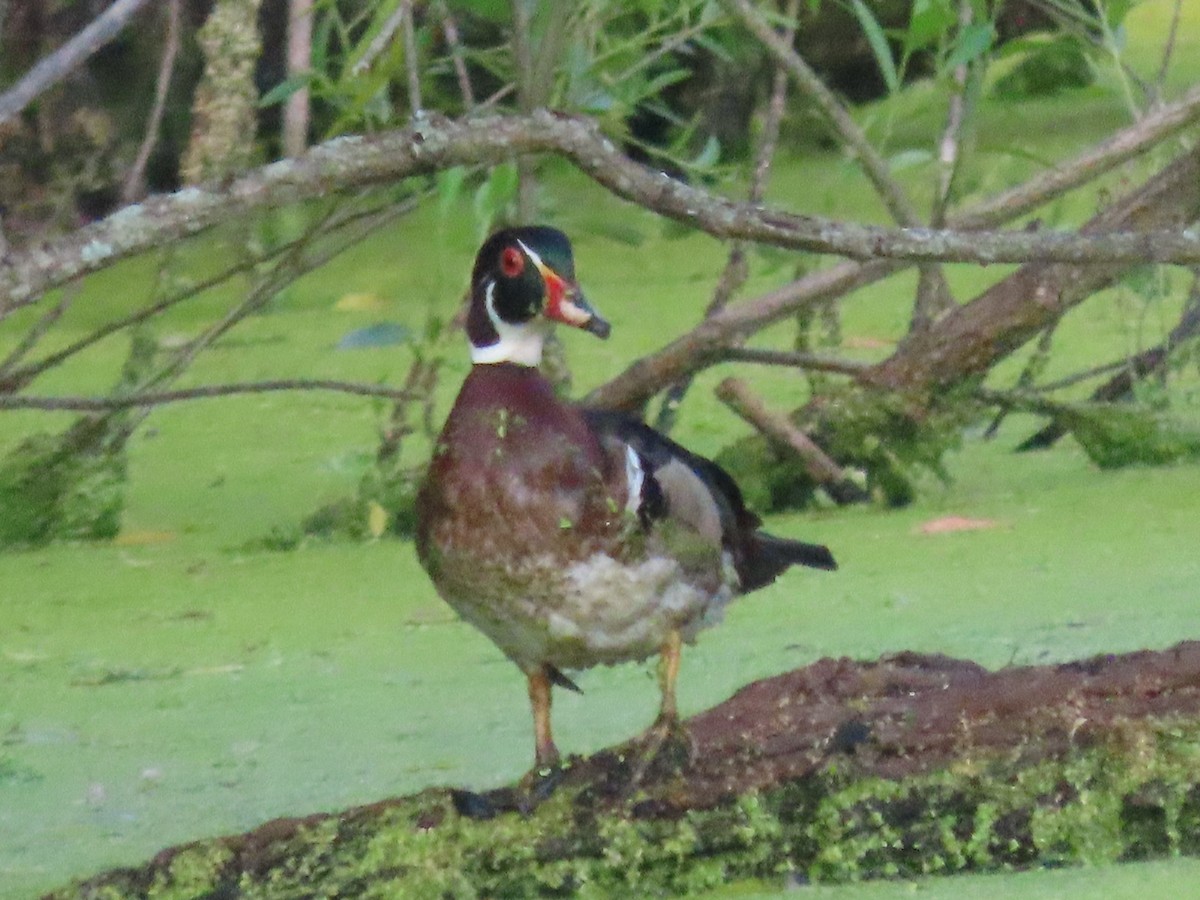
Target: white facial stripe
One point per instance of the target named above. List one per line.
(518, 343)
(537, 260)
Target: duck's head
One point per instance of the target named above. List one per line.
(523, 280)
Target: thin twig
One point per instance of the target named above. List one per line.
(950, 146)
(297, 108)
(813, 362)
(1085, 375)
(933, 293)
(51, 69)
(36, 332)
(834, 112)
(26, 374)
(412, 64)
(293, 263)
(289, 267)
(135, 181)
(522, 49)
(380, 42)
(737, 268)
(1155, 127)
(450, 30)
(933, 281)
(1026, 380)
(1168, 51)
(159, 398)
(1130, 370)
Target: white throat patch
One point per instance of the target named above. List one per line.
(520, 344)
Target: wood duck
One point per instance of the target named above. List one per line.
(574, 536)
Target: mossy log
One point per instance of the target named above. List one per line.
(842, 770)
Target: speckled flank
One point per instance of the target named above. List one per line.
(599, 611)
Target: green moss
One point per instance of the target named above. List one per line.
(874, 433)
(190, 873)
(1116, 436)
(1137, 797)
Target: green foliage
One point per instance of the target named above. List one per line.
(873, 433)
(71, 485)
(1114, 436)
(385, 503)
(1047, 67)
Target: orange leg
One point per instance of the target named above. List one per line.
(545, 753)
(668, 673)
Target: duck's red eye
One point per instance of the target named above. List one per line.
(512, 263)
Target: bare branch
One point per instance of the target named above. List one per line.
(1168, 49)
(51, 69)
(812, 362)
(435, 143)
(450, 29)
(703, 346)
(710, 341)
(379, 43)
(971, 338)
(135, 182)
(412, 64)
(159, 398)
(779, 430)
(1151, 129)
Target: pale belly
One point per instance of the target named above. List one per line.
(591, 612)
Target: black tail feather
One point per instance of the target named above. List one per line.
(770, 556)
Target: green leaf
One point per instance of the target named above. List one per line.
(286, 88)
(970, 44)
(909, 159)
(930, 20)
(879, 44)
(449, 188)
(656, 85)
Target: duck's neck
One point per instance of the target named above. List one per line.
(517, 344)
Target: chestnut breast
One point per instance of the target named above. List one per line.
(516, 474)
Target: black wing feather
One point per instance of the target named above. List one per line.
(758, 557)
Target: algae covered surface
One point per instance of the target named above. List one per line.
(183, 682)
(1040, 790)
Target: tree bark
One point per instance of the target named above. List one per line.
(433, 144)
(299, 61)
(225, 109)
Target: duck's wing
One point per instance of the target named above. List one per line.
(668, 481)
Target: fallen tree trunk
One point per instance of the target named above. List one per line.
(912, 764)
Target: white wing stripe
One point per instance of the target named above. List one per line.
(635, 480)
